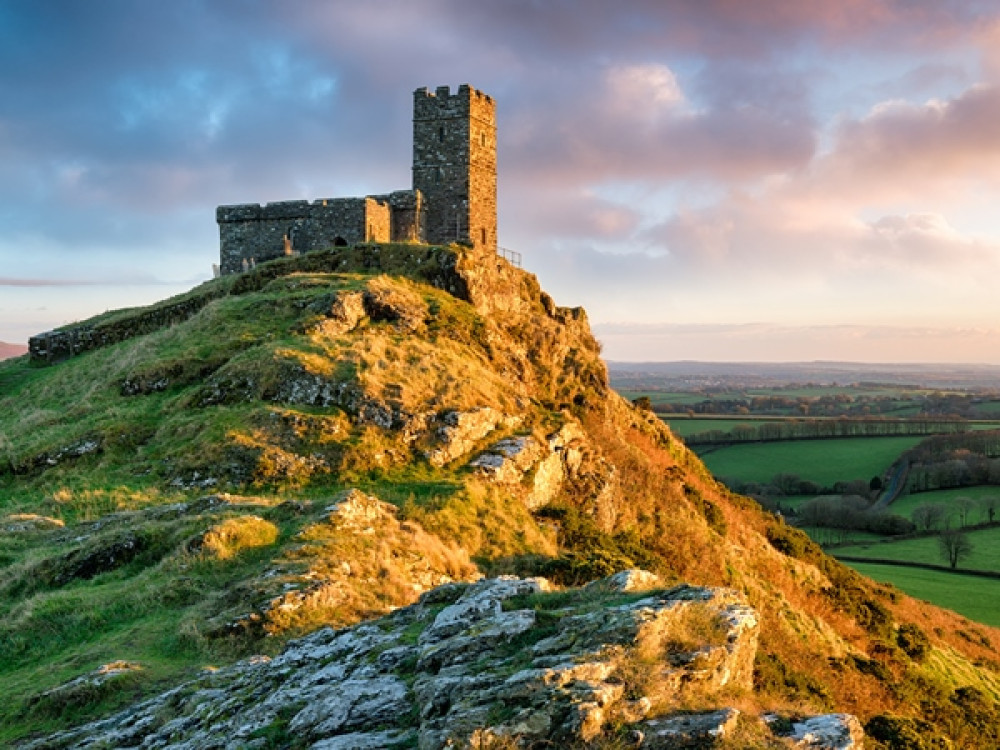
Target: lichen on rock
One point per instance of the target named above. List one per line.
(504, 662)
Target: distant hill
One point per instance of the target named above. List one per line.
(772, 374)
(346, 434)
(12, 350)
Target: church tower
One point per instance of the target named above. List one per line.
(455, 165)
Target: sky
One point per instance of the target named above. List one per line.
(777, 180)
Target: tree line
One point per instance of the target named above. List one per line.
(816, 429)
(950, 461)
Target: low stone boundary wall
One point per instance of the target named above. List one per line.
(55, 346)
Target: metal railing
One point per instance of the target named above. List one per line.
(511, 256)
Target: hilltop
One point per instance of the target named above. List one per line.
(364, 433)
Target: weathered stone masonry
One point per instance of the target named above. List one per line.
(453, 199)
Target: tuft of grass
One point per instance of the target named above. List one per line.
(227, 539)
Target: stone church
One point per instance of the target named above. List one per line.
(453, 198)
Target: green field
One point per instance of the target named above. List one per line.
(824, 535)
(906, 504)
(821, 461)
(985, 550)
(686, 426)
(680, 398)
(976, 598)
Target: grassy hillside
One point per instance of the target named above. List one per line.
(177, 500)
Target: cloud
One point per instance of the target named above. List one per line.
(904, 150)
(636, 123)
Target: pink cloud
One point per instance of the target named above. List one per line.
(902, 148)
(637, 124)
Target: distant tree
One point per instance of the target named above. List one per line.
(955, 546)
(964, 506)
(643, 403)
(930, 516)
(875, 484)
(990, 505)
(787, 484)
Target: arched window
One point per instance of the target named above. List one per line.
(339, 241)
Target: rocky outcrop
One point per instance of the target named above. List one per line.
(460, 431)
(364, 558)
(833, 732)
(514, 459)
(687, 730)
(343, 314)
(88, 688)
(17, 523)
(498, 663)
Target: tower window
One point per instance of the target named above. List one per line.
(482, 236)
(441, 134)
(482, 139)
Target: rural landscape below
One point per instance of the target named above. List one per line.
(894, 469)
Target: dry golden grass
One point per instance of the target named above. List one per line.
(226, 539)
(362, 565)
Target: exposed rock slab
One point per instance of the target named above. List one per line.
(829, 732)
(701, 730)
(487, 664)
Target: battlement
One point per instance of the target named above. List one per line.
(441, 103)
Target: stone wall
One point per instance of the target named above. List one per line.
(258, 233)
(55, 346)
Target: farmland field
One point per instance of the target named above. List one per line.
(906, 504)
(821, 461)
(685, 426)
(976, 598)
(985, 550)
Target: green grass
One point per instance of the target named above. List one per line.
(906, 504)
(821, 461)
(824, 535)
(153, 611)
(687, 426)
(985, 553)
(975, 598)
(678, 398)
